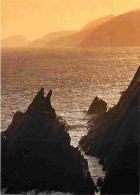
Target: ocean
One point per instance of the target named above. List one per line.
(75, 75)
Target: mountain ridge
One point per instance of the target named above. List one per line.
(15, 41)
(50, 37)
(123, 30)
(75, 39)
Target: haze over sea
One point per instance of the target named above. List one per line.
(76, 76)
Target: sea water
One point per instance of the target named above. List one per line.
(75, 75)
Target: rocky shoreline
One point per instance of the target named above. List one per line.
(36, 153)
(114, 138)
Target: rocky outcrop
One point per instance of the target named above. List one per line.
(113, 137)
(122, 176)
(97, 107)
(36, 153)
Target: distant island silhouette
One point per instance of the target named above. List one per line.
(15, 41)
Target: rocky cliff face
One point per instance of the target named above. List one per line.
(113, 137)
(36, 153)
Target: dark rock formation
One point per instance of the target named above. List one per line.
(98, 106)
(114, 138)
(36, 153)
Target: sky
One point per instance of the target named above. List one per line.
(36, 18)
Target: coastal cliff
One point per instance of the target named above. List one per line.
(37, 155)
(113, 137)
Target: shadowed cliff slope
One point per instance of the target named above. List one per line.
(113, 137)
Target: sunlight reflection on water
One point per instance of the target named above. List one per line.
(76, 76)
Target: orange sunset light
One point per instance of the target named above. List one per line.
(36, 18)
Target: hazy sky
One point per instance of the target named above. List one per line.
(36, 18)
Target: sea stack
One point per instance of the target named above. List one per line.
(114, 138)
(37, 155)
(97, 107)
